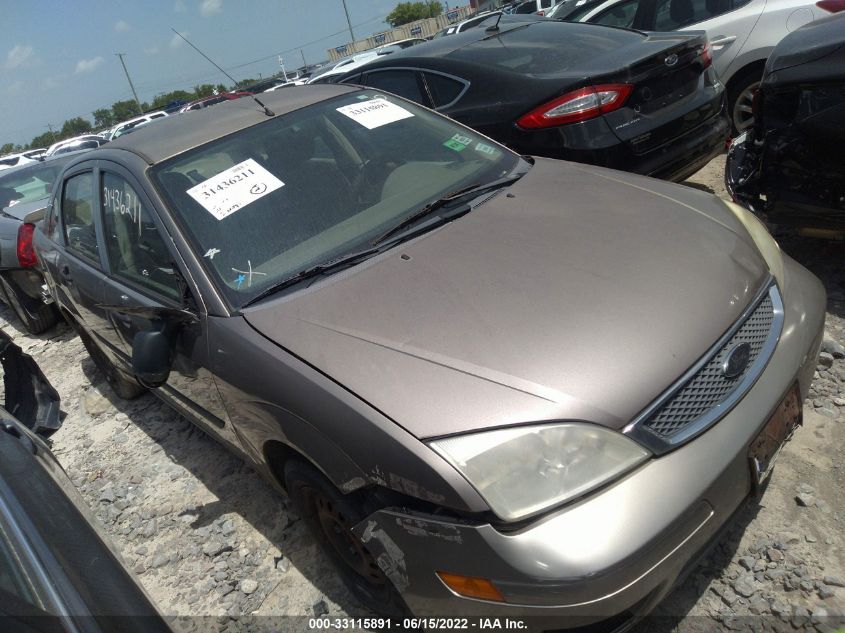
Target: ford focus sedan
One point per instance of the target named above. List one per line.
(492, 385)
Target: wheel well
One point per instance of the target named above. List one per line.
(277, 455)
(756, 66)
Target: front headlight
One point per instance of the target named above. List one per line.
(522, 470)
(764, 241)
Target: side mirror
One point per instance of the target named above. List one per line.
(152, 358)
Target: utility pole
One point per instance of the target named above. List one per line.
(304, 63)
(348, 21)
(52, 133)
(135, 94)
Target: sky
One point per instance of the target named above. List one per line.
(57, 58)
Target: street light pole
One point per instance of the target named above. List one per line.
(135, 94)
(348, 21)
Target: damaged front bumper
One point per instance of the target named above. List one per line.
(614, 555)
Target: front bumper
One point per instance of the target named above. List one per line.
(622, 549)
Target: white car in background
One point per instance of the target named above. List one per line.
(75, 144)
(344, 66)
(742, 32)
(21, 158)
(120, 128)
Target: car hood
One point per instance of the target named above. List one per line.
(581, 294)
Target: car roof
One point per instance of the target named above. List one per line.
(460, 46)
(177, 134)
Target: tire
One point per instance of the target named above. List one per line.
(740, 92)
(123, 386)
(330, 516)
(35, 320)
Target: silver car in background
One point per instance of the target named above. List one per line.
(742, 32)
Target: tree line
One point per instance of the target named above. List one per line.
(104, 118)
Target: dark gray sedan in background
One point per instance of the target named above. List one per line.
(24, 192)
(492, 385)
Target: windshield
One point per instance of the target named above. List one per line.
(29, 183)
(302, 189)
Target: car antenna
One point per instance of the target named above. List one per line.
(267, 110)
(489, 29)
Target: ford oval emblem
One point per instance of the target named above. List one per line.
(736, 361)
(671, 60)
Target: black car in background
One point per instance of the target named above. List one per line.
(648, 103)
(789, 167)
(57, 573)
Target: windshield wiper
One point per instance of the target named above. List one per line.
(449, 198)
(318, 269)
(353, 258)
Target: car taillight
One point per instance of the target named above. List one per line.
(541, 12)
(706, 56)
(26, 254)
(831, 6)
(578, 105)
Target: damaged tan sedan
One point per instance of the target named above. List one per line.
(493, 385)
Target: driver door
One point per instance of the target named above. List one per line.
(143, 272)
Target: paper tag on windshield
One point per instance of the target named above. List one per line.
(374, 113)
(234, 188)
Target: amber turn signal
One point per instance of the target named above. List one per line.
(470, 587)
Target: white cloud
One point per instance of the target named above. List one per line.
(19, 56)
(151, 50)
(88, 65)
(121, 26)
(48, 83)
(176, 41)
(180, 7)
(15, 88)
(210, 7)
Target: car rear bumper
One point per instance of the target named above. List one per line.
(617, 553)
(593, 142)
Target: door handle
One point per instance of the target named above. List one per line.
(722, 40)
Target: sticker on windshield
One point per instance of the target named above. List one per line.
(458, 142)
(234, 188)
(375, 112)
(486, 149)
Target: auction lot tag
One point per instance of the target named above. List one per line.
(234, 188)
(374, 113)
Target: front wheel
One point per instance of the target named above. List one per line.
(36, 320)
(331, 516)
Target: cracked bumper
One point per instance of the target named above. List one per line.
(620, 550)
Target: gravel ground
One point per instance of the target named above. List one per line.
(213, 544)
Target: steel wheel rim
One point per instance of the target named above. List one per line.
(743, 115)
(337, 531)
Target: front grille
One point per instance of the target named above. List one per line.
(709, 387)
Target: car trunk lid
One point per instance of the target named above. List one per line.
(671, 93)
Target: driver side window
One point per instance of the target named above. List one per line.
(136, 251)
